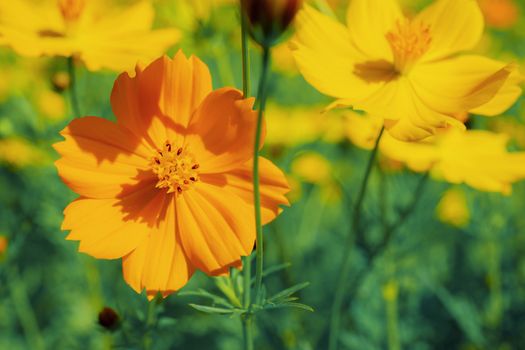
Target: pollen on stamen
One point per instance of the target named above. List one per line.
(176, 168)
(409, 40)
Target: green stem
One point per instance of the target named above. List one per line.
(246, 319)
(373, 253)
(261, 97)
(247, 331)
(335, 318)
(24, 311)
(151, 318)
(73, 93)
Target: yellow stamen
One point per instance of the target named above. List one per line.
(409, 40)
(175, 168)
(71, 9)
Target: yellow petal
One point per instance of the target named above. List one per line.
(406, 116)
(462, 84)
(418, 156)
(505, 98)
(369, 21)
(326, 58)
(455, 25)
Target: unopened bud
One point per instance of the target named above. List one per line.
(269, 19)
(108, 318)
(60, 81)
(3, 246)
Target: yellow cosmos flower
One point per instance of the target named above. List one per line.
(98, 32)
(452, 209)
(477, 158)
(405, 70)
(167, 188)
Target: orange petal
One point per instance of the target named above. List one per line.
(222, 131)
(273, 186)
(216, 227)
(159, 263)
(170, 90)
(111, 228)
(99, 158)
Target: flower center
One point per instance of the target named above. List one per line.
(175, 168)
(71, 9)
(409, 41)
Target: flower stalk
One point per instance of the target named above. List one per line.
(246, 319)
(335, 318)
(73, 93)
(261, 97)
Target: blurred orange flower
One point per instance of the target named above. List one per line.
(168, 186)
(500, 14)
(98, 32)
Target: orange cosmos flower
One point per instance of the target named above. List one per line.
(101, 33)
(168, 186)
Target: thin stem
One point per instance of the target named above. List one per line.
(246, 319)
(245, 58)
(335, 318)
(247, 332)
(151, 318)
(24, 311)
(261, 97)
(73, 94)
(378, 250)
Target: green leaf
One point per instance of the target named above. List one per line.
(216, 299)
(212, 309)
(291, 305)
(273, 269)
(289, 291)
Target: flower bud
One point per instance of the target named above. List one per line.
(3, 246)
(108, 318)
(269, 19)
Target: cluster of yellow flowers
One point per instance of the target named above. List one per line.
(168, 186)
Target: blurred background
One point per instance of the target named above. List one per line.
(452, 277)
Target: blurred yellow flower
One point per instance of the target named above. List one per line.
(291, 126)
(51, 105)
(362, 130)
(312, 167)
(500, 14)
(514, 129)
(452, 209)
(19, 153)
(390, 290)
(188, 14)
(404, 70)
(100, 33)
(476, 157)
